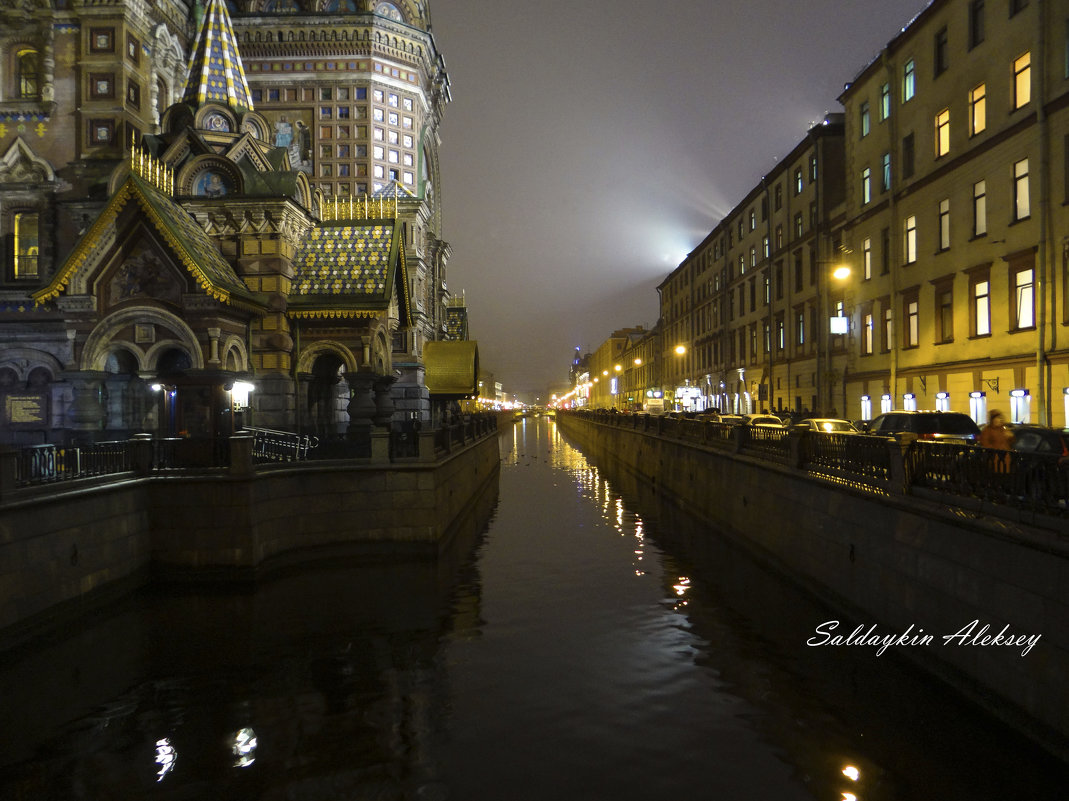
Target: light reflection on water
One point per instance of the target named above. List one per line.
(589, 644)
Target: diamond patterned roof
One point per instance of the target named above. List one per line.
(345, 260)
(215, 71)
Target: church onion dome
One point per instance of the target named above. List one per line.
(215, 71)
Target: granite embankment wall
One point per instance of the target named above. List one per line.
(896, 561)
(65, 546)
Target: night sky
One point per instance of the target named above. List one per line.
(590, 146)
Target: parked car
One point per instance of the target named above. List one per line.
(951, 427)
(1040, 439)
(762, 420)
(825, 425)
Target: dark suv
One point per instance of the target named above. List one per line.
(956, 427)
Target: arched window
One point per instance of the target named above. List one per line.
(26, 66)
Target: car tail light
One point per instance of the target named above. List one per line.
(927, 436)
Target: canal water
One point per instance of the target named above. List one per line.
(583, 642)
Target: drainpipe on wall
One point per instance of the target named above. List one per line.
(1044, 268)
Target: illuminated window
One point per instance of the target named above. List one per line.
(886, 173)
(798, 181)
(912, 327)
(909, 245)
(866, 334)
(909, 81)
(885, 101)
(942, 133)
(26, 66)
(944, 224)
(866, 258)
(26, 245)
(866, 186)
(1022, 80)
(1023, 293)
(978, 109)
(866, 123)
(1021, 204)
(981, 307)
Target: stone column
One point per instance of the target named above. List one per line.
(361, 406)
(383, 401)
(87, 411)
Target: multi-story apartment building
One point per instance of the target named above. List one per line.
(956, 221)
(606, 369)
(742, 313)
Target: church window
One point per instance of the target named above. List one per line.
(26, 65)
(25, 245)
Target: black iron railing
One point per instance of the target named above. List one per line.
(42, 464)
(1035, 482)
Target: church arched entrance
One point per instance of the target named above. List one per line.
(328, 396)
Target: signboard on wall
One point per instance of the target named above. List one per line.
(26, 410)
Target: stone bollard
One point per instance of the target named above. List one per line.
(241, 463)
(380, 446)
(9, 458)
(426, 446)
(897, 450)
(794, 443)
(141, 454)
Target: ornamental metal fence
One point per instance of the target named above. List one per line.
(1038, 483)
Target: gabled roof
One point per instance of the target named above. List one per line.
(349, 269)
(215, 71)
(190, 244)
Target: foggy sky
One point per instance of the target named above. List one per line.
(591, 145)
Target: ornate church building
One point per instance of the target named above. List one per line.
(217, 214)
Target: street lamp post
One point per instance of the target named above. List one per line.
(835, 325)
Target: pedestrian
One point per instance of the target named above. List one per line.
(995, 433)
(997, 437)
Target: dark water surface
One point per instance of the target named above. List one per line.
(587, 645)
